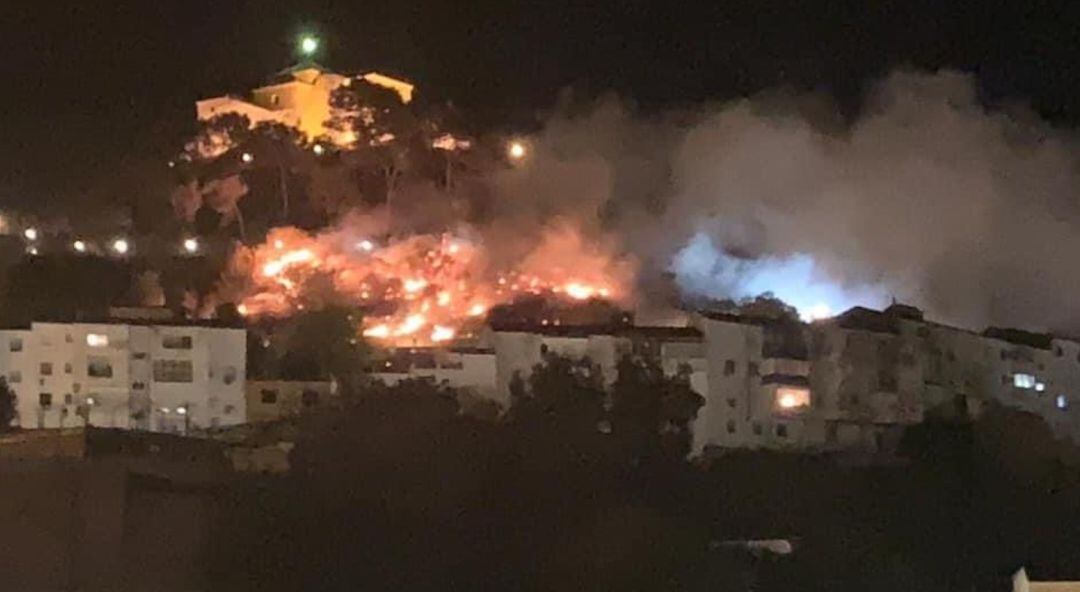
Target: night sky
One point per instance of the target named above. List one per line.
(88, 83)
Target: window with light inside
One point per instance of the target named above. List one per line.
(792, 399)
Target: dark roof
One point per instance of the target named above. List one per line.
(629, 331)
(1020, 337)
(866, 319)
(785, 379)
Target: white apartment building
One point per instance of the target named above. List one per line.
(487, 371)
(857, 380)
(471, 369)
(157, 377)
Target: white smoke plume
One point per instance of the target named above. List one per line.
(927, 196)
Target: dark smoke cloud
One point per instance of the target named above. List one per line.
(927, 196)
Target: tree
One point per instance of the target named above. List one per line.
(383, 136)
(324, 344)
(8, 412)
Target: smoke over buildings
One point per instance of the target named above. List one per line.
(926, 196)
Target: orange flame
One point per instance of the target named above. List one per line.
(420, 290)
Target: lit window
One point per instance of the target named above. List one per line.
(791, 398)
(1061, 402)
(1024, 381)
(97, 340)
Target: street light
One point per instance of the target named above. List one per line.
(318, 149)
(79, 246)
(516, 150)
(247, 157)
(191, 245)
(309, 44)
(31, 234)
(121, 246)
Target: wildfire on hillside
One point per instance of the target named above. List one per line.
(419, 290)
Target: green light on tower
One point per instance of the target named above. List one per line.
(309, 44)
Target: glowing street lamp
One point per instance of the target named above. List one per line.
(121, 246)
(79, 246)
(318, 150)
(31, 234)
(516, 150)
(247, 157)
(191, 246)
(309, 44)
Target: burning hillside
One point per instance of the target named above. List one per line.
(421, 289)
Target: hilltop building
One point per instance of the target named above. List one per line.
(298, 97)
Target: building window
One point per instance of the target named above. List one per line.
(731, 403)
(1024, 381)
(45, 400)
(16, 344)
(75, 388)
(67, 367)
(1057, 351)
(138, 386)
(15, 376)
(46, 368)
(729, 367)
(268, 396)
(229, 376)
(831, 430)
(781, 430)
(176, 342)
(790, 399)
(275, 100)
(99, 368)
(731, 426)
(452, 364)
(67, 399)
(757, 429)
(752, 369)
(173, 371)
(1061, 402)
(138, 356)
(97, 340)
(309, 398)
(67, 338)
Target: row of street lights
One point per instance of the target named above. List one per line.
(119, 246)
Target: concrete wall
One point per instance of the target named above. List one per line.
(269, 400)
(62, 363)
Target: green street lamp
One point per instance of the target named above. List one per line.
(309, 44)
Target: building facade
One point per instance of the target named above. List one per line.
(858, 380)
(159, 377)
(298, 98)
(270, 400)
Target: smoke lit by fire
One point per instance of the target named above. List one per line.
(422, 289)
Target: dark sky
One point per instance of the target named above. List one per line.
(90, 82)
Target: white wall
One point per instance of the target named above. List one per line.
(213, 395)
